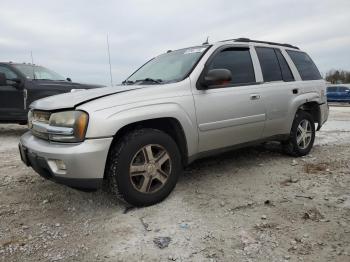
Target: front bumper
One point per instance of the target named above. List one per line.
(84, 163)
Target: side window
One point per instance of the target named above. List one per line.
(332, 89)
(343, 89)
(269, 64)
(8, 72)
(238, 61)
(286, 72)
(306, 67)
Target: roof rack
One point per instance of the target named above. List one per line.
(242, 39)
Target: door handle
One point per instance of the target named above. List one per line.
(295, 90)
(254, 96)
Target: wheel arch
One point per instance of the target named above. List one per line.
(313, 108)
(168, 125)
(308, 103)
(171, 118)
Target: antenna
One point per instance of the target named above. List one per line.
(31, 56)
(206, 41)
(109, 60)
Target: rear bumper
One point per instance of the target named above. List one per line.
(83, 163)
(324, 112)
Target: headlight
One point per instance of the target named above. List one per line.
(68, 126)
(30, 119)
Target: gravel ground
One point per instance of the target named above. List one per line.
(254, 204)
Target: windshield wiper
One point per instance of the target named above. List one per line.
(157, 81)
(127, 82)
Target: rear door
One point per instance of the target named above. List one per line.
(233, 112)
(11, 97)
(279, 88)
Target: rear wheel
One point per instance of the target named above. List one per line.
(143, 167)
(302, 135)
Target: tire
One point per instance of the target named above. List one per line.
(291, 146)
(143, 167)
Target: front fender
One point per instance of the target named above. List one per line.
(107, 123)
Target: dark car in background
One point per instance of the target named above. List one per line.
(21, 84)
(338, 93)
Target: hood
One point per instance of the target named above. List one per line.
(71, 100)
(66, 84)
(85, 86)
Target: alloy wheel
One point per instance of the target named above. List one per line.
(150, 168)
(304, 134)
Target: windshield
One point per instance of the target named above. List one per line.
(38, 72)
(170, 67)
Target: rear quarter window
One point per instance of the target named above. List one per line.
(305, 66)
(286, 72)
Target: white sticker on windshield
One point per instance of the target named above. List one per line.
(195, 50)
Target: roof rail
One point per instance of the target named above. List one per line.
(242, 39)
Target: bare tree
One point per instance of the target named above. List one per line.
(338, 76)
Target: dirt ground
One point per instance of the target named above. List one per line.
(254, 204)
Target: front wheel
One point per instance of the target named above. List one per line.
(302, 135)
(143, 167)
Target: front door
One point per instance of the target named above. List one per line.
(232, 113)
(11, 97)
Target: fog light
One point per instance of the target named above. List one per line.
(61, 165)
(57, 166)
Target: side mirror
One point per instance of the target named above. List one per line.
(3, 80)
(217, 77)
(68, 79)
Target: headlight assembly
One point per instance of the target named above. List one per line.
(30, 119)
(68, 126)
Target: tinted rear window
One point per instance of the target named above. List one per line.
(286, 72)
(238, 61)
(306, 67)
(269, 64)
(273, 65)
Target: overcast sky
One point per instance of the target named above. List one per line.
(69, 36)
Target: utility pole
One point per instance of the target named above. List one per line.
(31, 56)
(109, 60)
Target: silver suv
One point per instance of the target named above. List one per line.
(176, 108)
